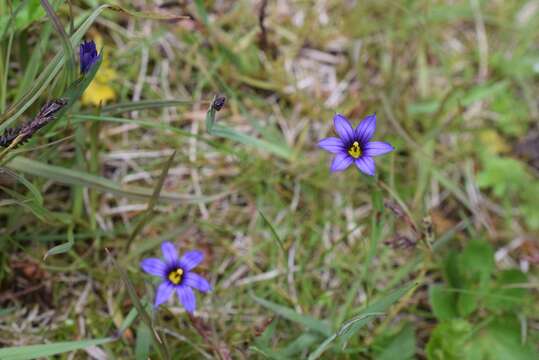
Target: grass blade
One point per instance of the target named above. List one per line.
(307, 321)
(148, 213)
(45, 350)
(344, 328)
(74, 177)
(365, 316)
(143, 105)
(214, 129)
(280, 150)
(66, 43)
(273, 232)
(161, 348)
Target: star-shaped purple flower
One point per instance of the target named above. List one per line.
(177, 276)
(88, 56)
(354, 145)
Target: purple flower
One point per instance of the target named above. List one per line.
(354, 145)
(88, 56)
(177, 276)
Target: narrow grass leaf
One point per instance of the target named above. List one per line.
(280, 150)
(62, 248)
(129, 319)
(66, 43)
(302, 342)
(34, 207)
(143, 105)
(343, 329)
(144, 340)
(148, 213)
(290, 314)
(27, 184)
(46, 350)
(223, 131)
(210, 116)
(379, 306)
(273, 232)
(74, 177)
(161, 348)
(33, 66)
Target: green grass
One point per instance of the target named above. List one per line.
(303, 263)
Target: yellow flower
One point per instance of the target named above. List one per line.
(493, 142)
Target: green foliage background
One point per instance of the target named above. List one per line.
(303, 263)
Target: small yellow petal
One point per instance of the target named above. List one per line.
(97, 93)
(493, 142)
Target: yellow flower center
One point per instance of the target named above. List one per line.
(175, 276)
(354, 150)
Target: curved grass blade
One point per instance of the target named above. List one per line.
(65, 247)
(143, 105)
(280, 150)
(273, 231)
(146, 319)
(148, 213)
(46, 350)
(378, 306)
(66, 43)
(38, 198)
(143, 123)
(223, 131)
(290, 314)
(344, 328)
(74, 177)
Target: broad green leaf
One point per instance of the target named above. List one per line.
(443, 302)
(504, 175)
(447, 340)
(478, 261)
(501, 340)
(25, 12)
(452, 269)
(507, 292)
(468, 301)
(398, 346)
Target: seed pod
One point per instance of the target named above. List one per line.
(46, 114)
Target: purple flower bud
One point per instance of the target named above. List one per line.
(88, 56)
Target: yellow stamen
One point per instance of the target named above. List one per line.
(354, 150)
(175, 276)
